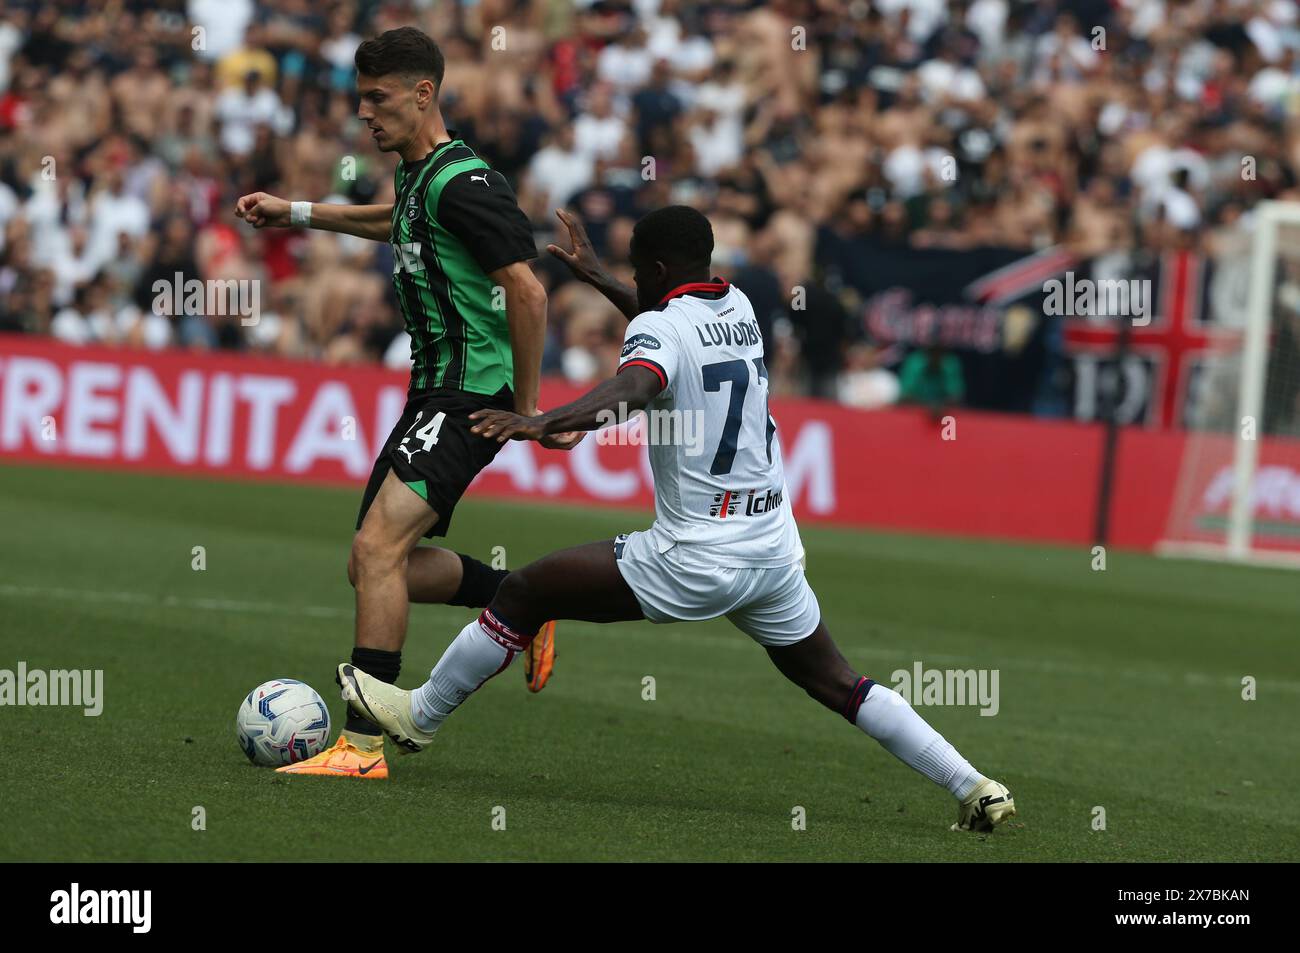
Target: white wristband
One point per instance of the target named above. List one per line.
(300, 214)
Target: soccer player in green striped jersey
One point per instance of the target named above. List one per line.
(461, 248)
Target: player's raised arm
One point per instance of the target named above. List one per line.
(586, 266)
(365, 221)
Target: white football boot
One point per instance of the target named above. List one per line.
(386, 705)
(985, 807)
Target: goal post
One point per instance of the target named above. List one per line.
(1250, 406)
(1238, 491)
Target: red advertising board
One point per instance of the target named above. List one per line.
(252, 417)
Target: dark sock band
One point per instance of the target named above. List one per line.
(478, 583)
(856, 698)
(384, 666)
(504, 632)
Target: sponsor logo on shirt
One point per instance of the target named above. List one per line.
(724, 504)
(640, 341)
(756, 502)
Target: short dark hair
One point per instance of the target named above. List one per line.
(405, 50)
(677, 235)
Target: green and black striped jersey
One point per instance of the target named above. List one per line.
(454, 221)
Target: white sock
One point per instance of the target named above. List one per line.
(886, 716)
(483, 648)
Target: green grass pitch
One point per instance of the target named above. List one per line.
(1119, 689)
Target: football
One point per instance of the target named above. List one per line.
(282, 721)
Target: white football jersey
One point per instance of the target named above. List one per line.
(720, 494)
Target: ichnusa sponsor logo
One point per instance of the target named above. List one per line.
(770, 500)
(757, 502)
(724, 504)
(77, 906)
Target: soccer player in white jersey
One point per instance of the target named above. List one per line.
(723, 543)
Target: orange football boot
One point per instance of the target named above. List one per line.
(539, 660)
(343, 760)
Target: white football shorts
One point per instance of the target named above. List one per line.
(772, 606)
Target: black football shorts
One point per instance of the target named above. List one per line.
(433, 452)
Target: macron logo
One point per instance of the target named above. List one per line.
(103, 906)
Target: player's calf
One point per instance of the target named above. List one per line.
(477, 584)
(816, 665)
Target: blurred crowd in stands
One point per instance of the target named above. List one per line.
(128, 129)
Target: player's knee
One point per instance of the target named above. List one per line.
(515, 594)
(373, 554)
(515, 588)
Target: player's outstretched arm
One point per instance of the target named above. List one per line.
(584, 264)
(268, 211)
(608, 402)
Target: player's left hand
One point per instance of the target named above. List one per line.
(506, 425)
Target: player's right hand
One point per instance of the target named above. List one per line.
(260, 210)
(506, 425)
(582, 261)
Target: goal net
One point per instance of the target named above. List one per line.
(1238, 490)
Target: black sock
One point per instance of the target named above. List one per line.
(384, 666)
(478, 583)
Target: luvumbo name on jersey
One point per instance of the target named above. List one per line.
(720, 333)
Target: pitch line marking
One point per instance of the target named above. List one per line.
(874, 649)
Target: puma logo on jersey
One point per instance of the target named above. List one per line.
(744, 334)
(481, 178)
